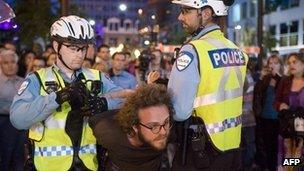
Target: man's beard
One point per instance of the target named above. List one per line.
(189, 30)
(148, 143)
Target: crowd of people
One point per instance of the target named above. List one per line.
(122, 66)
(268, 95)
(69, 108)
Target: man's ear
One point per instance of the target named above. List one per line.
(207, 14)
(135, 128)
(55, 46)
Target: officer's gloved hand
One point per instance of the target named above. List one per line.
(63, 95)
(79, 95)
(75, 93)
(95, 105)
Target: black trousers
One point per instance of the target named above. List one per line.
(228, 161)
(267, 131)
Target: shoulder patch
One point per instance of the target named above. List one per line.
(23, 86)
(184, 60)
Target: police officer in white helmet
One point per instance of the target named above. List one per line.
(207, 83)
(55, 103)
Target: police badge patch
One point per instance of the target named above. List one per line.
(23, 86)
(183, 61)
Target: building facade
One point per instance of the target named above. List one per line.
(283, 22)
(114, 25)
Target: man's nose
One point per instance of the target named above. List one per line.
(180, 17)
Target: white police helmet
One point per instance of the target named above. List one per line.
(72, 29)
(6, 12)
(218, 6)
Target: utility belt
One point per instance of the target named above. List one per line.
(195, 142)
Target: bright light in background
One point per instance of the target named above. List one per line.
(146, 29)
(123, 7)
(153, 17)
(15, 26)
(140, 11)
(112, 50)
(120, 48)
(147, 42)
(238, 27)
(136, 53)
(92, 22)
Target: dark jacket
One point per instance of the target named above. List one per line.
(260, 90)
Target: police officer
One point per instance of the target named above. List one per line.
(54, 103)
(207, 83)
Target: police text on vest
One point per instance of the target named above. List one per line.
(291, 161)
(226, 57)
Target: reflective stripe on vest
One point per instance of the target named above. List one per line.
(222, 126)
(53, 151)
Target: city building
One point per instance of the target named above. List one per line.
(283, 22)
(159, 22)
(115, 21)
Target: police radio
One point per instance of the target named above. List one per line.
(51, 86)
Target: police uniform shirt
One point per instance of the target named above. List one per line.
(184, 79)
(8, 89)
(29, 107)
(124, 80)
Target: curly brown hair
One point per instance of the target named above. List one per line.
(145, 96)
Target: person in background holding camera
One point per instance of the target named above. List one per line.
(290, 96)
(266, 114)
(207, 83)
(54, 103)
(151, 67)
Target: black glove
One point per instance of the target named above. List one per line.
(63, 95)
(75, 93)
(95, 105)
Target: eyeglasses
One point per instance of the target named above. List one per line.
(75, 48)
(155, 129)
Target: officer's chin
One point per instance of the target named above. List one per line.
(76, 66)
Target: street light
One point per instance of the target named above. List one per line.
(92, 22)
(153, 17)
(122, 7)
(136, 53)
(238, 27)
(147, 42)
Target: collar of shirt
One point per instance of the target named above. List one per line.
(205, 31)
(121, 73)
(64, 76)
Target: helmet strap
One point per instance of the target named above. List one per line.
(201, 27)
(60, 57)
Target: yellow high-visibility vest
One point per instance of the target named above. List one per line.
(220, 92)
(53, 147)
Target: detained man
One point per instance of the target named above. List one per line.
(136, 136)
